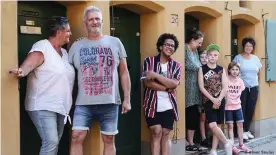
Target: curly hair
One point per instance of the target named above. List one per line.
(193, 34)
(163, 37)
(248, 40)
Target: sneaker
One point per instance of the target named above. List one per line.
(228, 148)
(245, 136)
(249, 135)
(245, 149)
(213, 152)
(236, 150)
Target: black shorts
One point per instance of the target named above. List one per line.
(214, 115)
(165, 119)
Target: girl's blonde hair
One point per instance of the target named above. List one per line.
(233, 64)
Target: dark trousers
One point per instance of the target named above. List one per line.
(192, 117)
(248, 101)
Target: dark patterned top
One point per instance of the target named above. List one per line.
(192, 65)
(212, 80)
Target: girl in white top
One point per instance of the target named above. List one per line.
(49, 86)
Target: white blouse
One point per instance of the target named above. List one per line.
(49, 86)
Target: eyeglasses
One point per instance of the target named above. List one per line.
(249, 46)
(169, 45)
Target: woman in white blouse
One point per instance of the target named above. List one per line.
(49, 85)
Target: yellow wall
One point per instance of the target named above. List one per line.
(266, 104)
(0, 87)
(153, 22)
(148, 26)
(9, 89)
(217, 30)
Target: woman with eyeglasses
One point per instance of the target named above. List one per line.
(192, 93)
(250, 66)
(50, 80)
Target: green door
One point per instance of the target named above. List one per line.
(126, 26)
(190, 22)
(36, 13)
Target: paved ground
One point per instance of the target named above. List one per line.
(260, 146)
(265, 149)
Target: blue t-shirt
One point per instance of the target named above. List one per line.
(249, 69)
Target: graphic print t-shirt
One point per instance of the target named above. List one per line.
(97, 62)
(212, 81)
(235, 88)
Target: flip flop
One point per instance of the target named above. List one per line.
(193, 148)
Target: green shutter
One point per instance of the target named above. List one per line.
(270, 50)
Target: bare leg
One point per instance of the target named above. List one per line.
(77, 139)
(231, 132)
(156, 132)
(240, 132)
(109, 144)
(190, 136)
(202, 126)
(218, 132)
(166, 142)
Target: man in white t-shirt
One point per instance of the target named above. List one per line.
(97, 58)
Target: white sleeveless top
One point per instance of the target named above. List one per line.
(49, 86)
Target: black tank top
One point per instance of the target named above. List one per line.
(212, 80)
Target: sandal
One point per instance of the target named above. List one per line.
(193, 148)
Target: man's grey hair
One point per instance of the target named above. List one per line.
(90, 9)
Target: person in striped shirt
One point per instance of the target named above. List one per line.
(161, 76)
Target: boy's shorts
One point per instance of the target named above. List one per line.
(214, 115)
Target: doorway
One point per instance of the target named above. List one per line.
(35, 14)
(125, 25)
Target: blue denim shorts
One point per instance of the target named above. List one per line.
(106, 114)
(234, 116)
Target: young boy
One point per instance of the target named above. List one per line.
(204, 141)
(213, 85)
